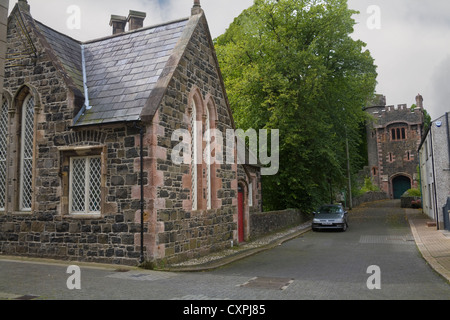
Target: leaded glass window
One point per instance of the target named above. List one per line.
(26, 163)
(3, 147)
(194, 156)
(85, 185)
(208, 161)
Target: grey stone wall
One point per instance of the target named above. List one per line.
(48, 230)
(369, 197)
(172, 230)
(184, 233)
(4, 5)
(264, 223)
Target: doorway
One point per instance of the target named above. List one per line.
(400, 185)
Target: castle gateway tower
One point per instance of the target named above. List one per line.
(393, 138)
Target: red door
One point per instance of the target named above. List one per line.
(240, 214)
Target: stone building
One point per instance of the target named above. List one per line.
(434, 154)
(86, 134)
(4, 5)
(393, 138)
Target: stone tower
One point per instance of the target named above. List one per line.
(393, 137)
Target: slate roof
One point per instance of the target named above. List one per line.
(68, 51)
(121, 70)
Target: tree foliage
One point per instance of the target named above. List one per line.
(292, 65)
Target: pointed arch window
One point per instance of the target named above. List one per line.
(26, 154)
(202, 116)
(208, 160)
(3, 147)
(194, 145)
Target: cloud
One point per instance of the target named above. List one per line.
(412, 41)
(411, 47)
(440, 87)
(95, 15)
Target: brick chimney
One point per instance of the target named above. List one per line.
(118, 23)
(419, 101)
(136, 20)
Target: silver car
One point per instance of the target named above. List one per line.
(331, 216)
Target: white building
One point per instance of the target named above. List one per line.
(434, 153)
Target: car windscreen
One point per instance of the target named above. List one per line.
(330, 209)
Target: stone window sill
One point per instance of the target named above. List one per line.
(83, 216)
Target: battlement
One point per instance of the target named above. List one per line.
(385, 115)
(379, 104)
(391, 108)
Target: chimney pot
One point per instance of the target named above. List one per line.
(136, 20)
(118, 23)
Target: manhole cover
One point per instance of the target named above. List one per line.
(268, 283)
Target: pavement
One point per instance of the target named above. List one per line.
(434, 245)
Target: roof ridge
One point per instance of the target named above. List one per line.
(113, 35)
(134, 31)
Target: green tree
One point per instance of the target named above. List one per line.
(427, 120)
(292, 65)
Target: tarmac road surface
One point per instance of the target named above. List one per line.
(376, 258)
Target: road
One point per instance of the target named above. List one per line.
(318, 265)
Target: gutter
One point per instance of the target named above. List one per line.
(86, 105)
(86, 91)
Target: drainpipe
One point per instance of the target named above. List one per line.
(141, 152)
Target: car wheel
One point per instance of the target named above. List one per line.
(344, 227)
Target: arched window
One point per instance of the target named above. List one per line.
(208, 160)
(26, 154)
(3, 147)
(202, 115)
(194, 145)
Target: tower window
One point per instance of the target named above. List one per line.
(398, 134)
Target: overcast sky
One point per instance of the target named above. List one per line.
(409, 39)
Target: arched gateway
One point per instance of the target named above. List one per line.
(400, 185)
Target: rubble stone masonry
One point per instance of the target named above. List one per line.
(172, 230)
